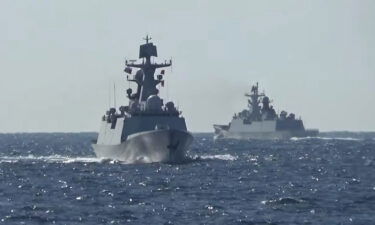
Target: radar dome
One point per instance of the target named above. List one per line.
(154, 103)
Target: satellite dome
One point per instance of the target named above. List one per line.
(154, 103)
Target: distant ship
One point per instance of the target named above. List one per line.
(262, 122)
(147, 130)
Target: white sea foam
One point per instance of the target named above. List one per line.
(325, 138)
(221, 157)
(67, 159)
(50, 159)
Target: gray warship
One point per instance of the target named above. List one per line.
(146, 130)
(262, 122)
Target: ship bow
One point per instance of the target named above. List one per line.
(149, 146)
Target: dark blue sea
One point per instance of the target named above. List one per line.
(56, 179)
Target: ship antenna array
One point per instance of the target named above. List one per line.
(114, 94)
(147, 38)
(170, 80)
(109, 96)
(171, 66)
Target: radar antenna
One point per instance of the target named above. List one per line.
(147, 38)
(114, 94)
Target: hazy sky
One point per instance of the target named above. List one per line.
(313, 58)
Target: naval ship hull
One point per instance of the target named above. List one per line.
(148, 147)
(221, 132)
(265, 135)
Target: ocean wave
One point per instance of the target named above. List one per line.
(50, 159)
(283, 201)
(325, 138)
(221, 157)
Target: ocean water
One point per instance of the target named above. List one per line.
(56, 179)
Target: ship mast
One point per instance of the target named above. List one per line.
(145, 80)
(254, 101)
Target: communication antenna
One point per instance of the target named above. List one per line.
(114, 94)
(167, 91)
(143, 79)
(171, 65)
(109, 96)
(170, 79)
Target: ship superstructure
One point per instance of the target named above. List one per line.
(260, 121)
(146, 130)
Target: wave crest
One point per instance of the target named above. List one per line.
(227, 157)
(325, 138)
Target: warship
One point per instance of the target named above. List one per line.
(146, 130)
(262, 122)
